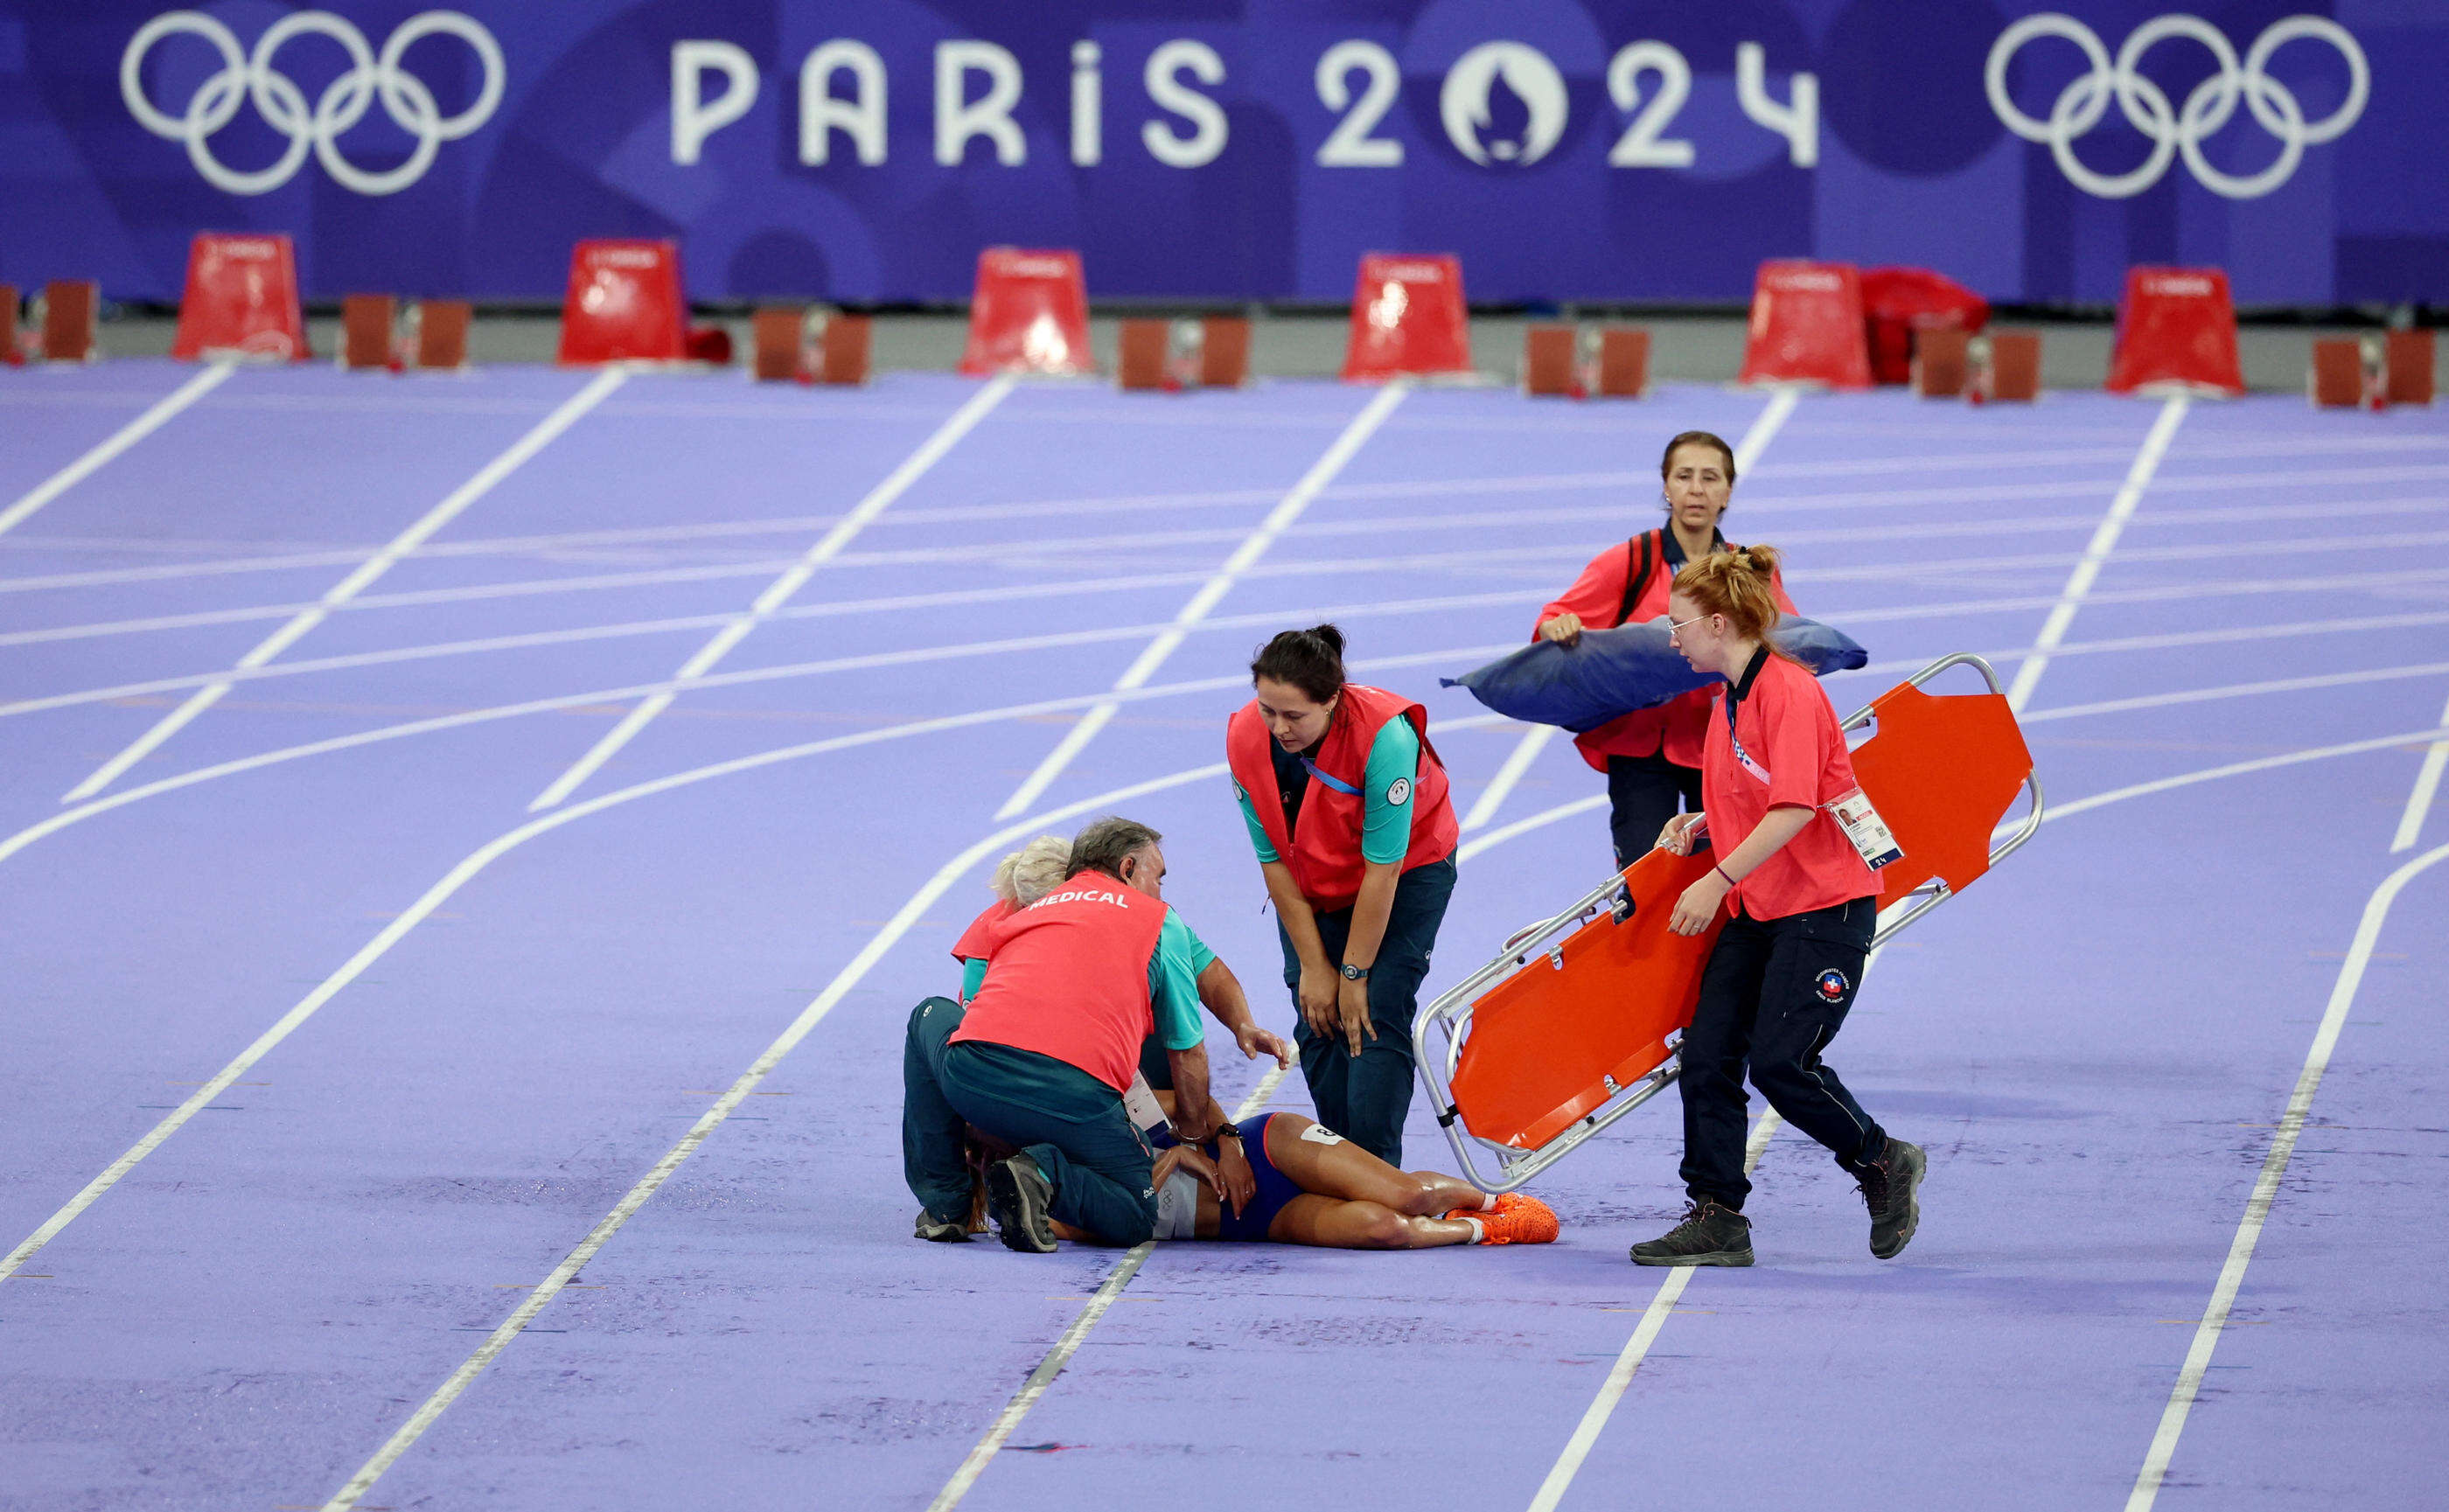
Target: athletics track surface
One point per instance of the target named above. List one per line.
(500, 1019)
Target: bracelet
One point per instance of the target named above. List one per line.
(1721, 872)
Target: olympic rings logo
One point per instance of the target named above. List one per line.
(277, 97)
(2081, 104)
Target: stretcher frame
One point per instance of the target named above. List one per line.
(1444, 1026)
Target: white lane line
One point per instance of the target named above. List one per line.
(27, 837)
(214, 375)
(781, 587)
(778, 592)
(1524, 826)
(561, 419)
(2095, 556)
(2265, 1186)
(982, 1454)
(1517, 761)
(1654, 1318)
(2240, 690)
(2419, 802)
(1245, 556)
(645, 1187)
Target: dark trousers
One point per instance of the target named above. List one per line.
(1366, 1096)
(1068, 1121)
(1773, 995)
(932, 1158)
(1643, 794)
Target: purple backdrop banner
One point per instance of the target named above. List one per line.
(1566, 149)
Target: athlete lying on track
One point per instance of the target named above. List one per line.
(1309, 1185)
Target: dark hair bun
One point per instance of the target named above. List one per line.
(1310, 659)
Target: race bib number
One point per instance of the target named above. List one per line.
(1865, 830)
(1320, 1134)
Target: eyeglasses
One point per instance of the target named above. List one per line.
(1673, 626)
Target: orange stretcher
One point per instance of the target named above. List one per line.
(1576, 1022)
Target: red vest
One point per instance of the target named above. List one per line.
(1325, 856)
(1068, 976)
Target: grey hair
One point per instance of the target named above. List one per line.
(1102, 844)
(1033, 870)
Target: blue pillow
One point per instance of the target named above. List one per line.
(1611, 673)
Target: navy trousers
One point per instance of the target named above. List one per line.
(1366, 1096)
(1773, 995)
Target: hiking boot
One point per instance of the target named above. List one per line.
(1888, 1185)
(1710, 1234)
(1516, 1218)
(942, 1230)
(1018, 1194)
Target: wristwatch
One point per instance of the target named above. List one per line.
(1355, 973)
(1226, 1131)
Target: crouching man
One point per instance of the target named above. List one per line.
(1074, 982)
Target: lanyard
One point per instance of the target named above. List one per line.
(1336, 783)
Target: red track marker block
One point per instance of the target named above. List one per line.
(1407, 317)
(1029, 314)
(2176, 327)
(624, 304)
(10, 353)
(1898, 304)
(1807, 326)
(1623, 363)
(2409, 367)
(71, 310)
(241, 297)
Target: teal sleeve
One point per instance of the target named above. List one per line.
(1386, 785)
(1173, 985)
(1257, 831)
(973, 975)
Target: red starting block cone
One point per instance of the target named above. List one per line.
(1407, 317)
(1029, 314)
(2176, 329)
(624, 304)
(1807, 326)
(240, 301)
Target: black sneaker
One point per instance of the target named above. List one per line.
(942, 1230)
(1710, 1234)
(1017, 1195)
(1888, 1184)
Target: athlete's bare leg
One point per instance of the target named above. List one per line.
(1343, 1169)
(1332, 1223)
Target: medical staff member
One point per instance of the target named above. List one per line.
(935, 1151)
(1652, 757)
(1346, 801)
(1074, 982)
(1800, 902)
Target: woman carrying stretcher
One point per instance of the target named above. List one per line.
(1652, 757)
(1346, 804)
(1802, 906)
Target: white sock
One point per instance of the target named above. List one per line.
(1478, 1234)
(1488, 1202)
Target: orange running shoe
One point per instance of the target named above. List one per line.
(1518, 1219)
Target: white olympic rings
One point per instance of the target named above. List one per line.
(2081, 104)
(242, 77)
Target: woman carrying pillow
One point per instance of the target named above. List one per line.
(1652, 757)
